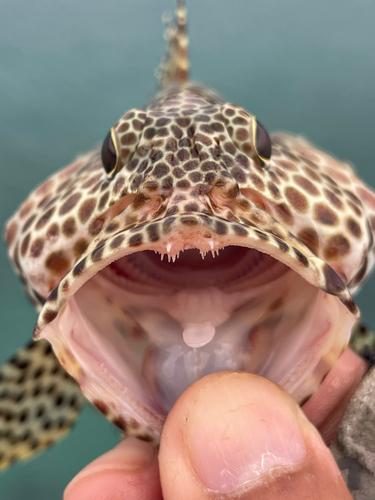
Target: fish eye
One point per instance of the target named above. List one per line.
(262, 142)
(109, 154)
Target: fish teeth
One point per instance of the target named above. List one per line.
(169, 247)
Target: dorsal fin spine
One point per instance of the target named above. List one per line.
(174, 68)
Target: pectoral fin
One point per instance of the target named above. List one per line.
(363, 342)
(39, 402)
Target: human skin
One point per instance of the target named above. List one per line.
(233, 435)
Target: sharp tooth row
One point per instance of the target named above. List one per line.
(173, 258)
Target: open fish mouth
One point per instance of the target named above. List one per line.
(151, 309)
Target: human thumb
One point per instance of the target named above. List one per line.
(237, 435)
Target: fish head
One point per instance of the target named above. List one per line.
(194, 242)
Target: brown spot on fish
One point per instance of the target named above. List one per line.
(325, 215)
(287, 164)
(42, 221)
(103, 200)
(153, 232)
(334, 283)
(306, 185)
(145, 437)
(112, 227)
(96, 226)
(97, 254)
(25, 244)
(257, 181)
(355, 208)
(160, 170)
(281, 244)
(48, 316)
(69, 227)
(284, 213)
(301, 258)
(242, 134)
(101, 406)
(309, 237)
(183, 184)
(361, 273)
(36, 248)
(274, 189)
(70, 203)
(296, 199)
(281, 174)
(86, 209)
(45, 187)
(238, 174)
(58, 263)
(128, 139)
(80, 247)
(53, 232)
(79, 268)
(26, 209)
(28, 223)
(353, 227)
(54, 294)
(261, 236)
(195, 177)
(337, 246)
(333, 198)
(116, 242)
(136, 240)
(120, 423)
(11, 232)
(220, 228)
(351, 305)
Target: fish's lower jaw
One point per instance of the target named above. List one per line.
(139, 330)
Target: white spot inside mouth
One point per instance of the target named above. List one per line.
(198, 334)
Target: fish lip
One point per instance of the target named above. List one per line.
(195, 230)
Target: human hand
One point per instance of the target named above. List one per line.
(232, 434)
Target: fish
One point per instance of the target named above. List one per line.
(191, 241)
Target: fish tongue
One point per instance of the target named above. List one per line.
(198, 334)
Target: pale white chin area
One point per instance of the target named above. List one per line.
(143, 330)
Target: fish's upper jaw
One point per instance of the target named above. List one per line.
(187, 143)
(124, 318)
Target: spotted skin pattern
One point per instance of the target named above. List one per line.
(39, 402)
(187, 163)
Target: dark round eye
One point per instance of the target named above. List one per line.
(109, 154)
(263, 144)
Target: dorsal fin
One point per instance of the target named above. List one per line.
(174, 67)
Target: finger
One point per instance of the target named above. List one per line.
(326, 408)
(239, 434)
(129, 471)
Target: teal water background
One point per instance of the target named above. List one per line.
(70, 68)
